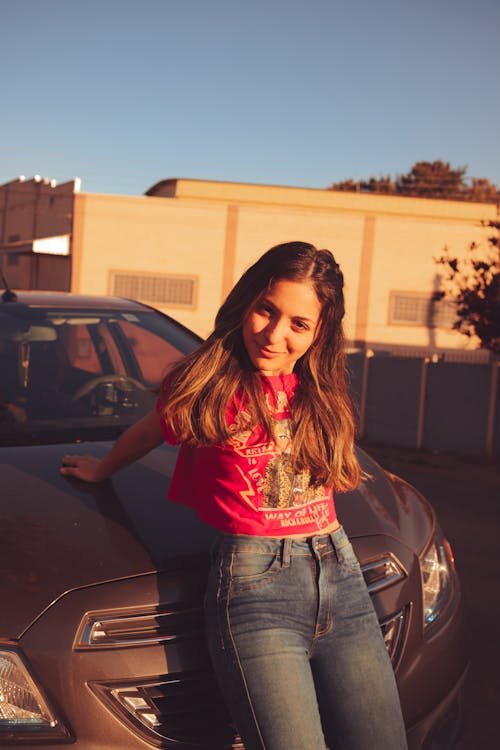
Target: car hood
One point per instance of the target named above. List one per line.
(59, 534)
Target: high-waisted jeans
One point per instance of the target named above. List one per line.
(297, 647)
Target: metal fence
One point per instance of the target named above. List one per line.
(443, 406)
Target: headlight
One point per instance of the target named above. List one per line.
(23, 709)
(437, 566)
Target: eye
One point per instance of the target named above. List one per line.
(300, 325)
(265, 308)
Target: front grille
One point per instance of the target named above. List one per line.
(186, 710)
(381, 573)
(393, 629)
(183, 711)
(136, 627)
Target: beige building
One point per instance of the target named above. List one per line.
(182, 245)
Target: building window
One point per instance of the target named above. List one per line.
(177, 291)
(415, 309)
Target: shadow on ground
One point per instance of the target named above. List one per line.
(466, 495)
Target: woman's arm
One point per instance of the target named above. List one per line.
(134, 443)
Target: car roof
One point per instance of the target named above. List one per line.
(37, 298)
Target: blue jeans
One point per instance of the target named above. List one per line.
(297, 648)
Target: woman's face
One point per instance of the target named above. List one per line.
(280, 326)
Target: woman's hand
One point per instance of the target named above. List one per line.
(132, 444)
(87, 468)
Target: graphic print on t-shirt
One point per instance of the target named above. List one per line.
(269, 463)
(246, 485)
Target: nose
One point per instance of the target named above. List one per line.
(274, 331)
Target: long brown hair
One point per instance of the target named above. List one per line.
(198, 389)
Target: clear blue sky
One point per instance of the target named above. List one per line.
(123, 93)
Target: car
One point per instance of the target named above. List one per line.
(101, 628)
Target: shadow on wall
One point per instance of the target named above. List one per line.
(433, 308)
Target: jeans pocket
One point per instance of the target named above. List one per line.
(347, 557)
(252, 566)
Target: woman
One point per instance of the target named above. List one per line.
(264, 420)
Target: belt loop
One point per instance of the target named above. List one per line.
(286, 551)
(338, 553)
(336, 546)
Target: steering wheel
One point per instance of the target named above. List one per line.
(119, 380)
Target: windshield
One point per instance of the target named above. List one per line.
(71, 375)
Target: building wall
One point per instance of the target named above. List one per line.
(35, 208)
(403, 261)
(384, 244)
(32, 210)
(151, 235)
(211, 231)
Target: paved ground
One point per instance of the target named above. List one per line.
(466, 495)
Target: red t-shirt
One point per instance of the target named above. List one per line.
(246, 486)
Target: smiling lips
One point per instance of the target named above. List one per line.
(268, 352)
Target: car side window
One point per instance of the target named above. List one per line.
(108, 351)
(152, 352)
(71, 374)
(80, 348)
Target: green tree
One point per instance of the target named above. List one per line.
(484, 191)
(427, 179)
(473, 283)
(432, 179)
(380, 185)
